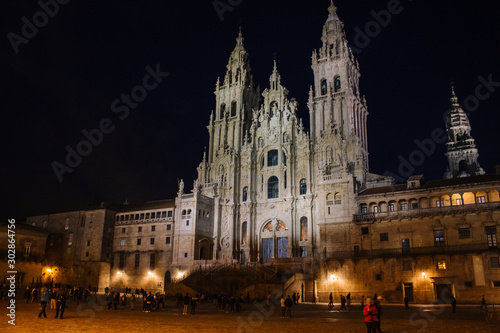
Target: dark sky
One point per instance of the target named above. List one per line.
(65, 78)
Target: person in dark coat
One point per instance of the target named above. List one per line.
(116, 300)
(288, 305)
(62, 296)
(406, 303)
(109, 300)
(453, 302)
(186, 300)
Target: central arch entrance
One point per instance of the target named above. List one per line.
(274, 240)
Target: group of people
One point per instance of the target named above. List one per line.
(286, 306)
(345, 302)
(56, 298)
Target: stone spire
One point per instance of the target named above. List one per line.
(461, 150)
(332, 10)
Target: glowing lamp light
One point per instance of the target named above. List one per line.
(334, 277)
(180, 275)
(119, 273)
(423, 275)
(49, 270)
(150, 274)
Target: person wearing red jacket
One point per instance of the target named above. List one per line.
(370, 312)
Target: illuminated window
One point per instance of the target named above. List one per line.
(459, 201)
(244, 233)
(440, 203)
(66, 225)
(303, 228)
(404, 206)
(390, 207)
(481, 199)
(439, 237)
(122, 242)
(441, 264)
(376, 209)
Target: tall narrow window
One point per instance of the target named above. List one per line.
(284, 159)
(491, 235)
(272, 187)
(66, 225)
(137, 260)
(121, 264)
(244, 233)
(245, 193)
(151, 260)
(323, 87)
(303, 228)
(338, 84)
(303, 186)
(272, 158)
(233, 109)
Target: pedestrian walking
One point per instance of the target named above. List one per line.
(123, 301)
(186, 301)
(288, 305)
(109, 300)
(483, 303)
(283, 308)
(53, 299)
(348, 298)
(44, 299)
(330, 304)
(379, 313)
(194, 303)
(406, 300)
(370, 313)
(453, 302)
(294, 298)
(342, 303)
(132, 301)
(61, 303)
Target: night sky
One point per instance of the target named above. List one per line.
(64, 79)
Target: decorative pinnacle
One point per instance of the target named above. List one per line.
(332, 10)
(454, 98)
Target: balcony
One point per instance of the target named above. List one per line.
(415, 251)
(423, 212)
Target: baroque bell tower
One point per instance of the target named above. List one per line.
(461, 150)
(338, 112)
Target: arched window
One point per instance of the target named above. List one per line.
(244, 233)
(303, 186)
(272, 158)
(233, 109)
(222, 110)
(329, 154)
(189, 211)
(462, 166)
(324, 86)
(338, 198)
(183, 212)
(245, 193)
(281, 225)
(303, 228)
(272, 187)
(338, 85)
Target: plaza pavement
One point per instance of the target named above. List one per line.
(306, 317)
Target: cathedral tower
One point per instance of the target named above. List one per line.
(460, 149)
(338, 112)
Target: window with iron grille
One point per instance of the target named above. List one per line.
(407, 265)
(494, 262)
(463, 232)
